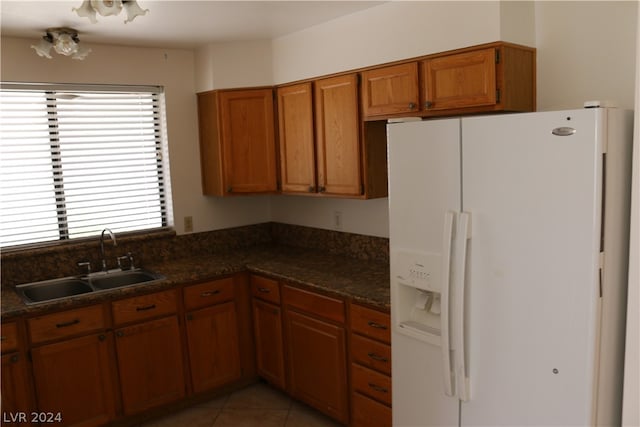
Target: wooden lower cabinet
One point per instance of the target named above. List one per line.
(16, 395)
(154, 349)
(267, 321)
(150, 364)
(75, 379)
(366, 412)
(317, 364)
(214, 354)
(16, 381)
(370, 348)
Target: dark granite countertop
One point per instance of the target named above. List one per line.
(354, 279)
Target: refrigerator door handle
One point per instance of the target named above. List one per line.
(462, 238)
(444, 302)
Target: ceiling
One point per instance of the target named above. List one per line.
(178, 23)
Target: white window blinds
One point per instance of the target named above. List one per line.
(76, 160)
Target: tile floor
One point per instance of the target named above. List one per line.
(258, 405)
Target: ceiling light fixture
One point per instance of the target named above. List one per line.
(89, 8)
(64, 41)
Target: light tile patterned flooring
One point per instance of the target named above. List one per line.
(258, 405)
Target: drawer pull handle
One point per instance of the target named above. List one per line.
(377, 325)
(264, 290)
(146, 307)
(378, 388)
(377, 357)
(210, 293)
(66, 324)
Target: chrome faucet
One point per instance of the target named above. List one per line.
(113, 238)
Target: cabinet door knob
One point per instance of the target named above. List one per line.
(229, 189)
(312, 189)
(189, 316)
(102, 337)
(120, 334)
(15, 358)
(428, 104)
(322, 189)
(412, 105)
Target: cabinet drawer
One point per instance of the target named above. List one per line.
(144, 307)
(208, 293)
(372, 323)
(372, 354)
(320, 305)
(66, 323)
(367, 412)
(265, 289)
(371, 383)
(9, 338)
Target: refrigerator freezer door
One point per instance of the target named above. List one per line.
(424, 187)
(533, 291)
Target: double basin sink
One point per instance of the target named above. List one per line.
(49, 290)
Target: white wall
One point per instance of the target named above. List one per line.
(631, 396)
(389, 32)
(586, 51)
(235, 64)
(173, 69)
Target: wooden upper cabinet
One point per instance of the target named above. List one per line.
(390, 90)
(462, 80)
(237, 141)
(338, 136)
(297, 150)
(496, 77)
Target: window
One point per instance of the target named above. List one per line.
(77, 159)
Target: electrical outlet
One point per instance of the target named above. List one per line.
(188, 224)
(337, 220)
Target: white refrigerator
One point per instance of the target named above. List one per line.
(508, 247)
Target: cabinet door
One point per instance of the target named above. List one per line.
(212, 335)
(369, 413)
(297, 151)
(15, 395)
(462, 80)
(150, 363)
(390, 90)
(317, 364)
(267, 322)
(248, 141)
(74, 377)
(338, 136)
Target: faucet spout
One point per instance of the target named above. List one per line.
(112, 236)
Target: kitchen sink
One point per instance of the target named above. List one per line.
(65, 287)
(122, 278)
(53, 289)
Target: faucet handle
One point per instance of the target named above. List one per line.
(119, 259)
(130, 256)
(86, 264)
